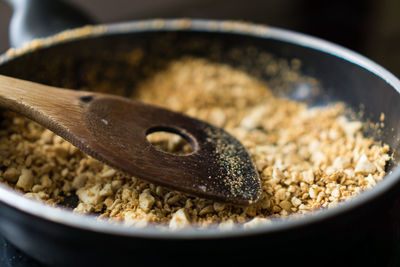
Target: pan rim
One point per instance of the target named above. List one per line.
(65, 217)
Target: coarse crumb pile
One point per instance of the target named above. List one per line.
(307, 158)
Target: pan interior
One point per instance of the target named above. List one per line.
(120, 62)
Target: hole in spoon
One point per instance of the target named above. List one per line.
(86, 99)
(170, 141)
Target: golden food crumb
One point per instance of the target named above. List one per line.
(179, 220)
(307, 158)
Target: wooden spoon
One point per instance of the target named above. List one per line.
(113, 130)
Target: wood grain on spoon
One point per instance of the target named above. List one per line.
(113, 129)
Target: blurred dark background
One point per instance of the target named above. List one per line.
(369, 27)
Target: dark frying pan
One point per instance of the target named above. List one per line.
(58, 237)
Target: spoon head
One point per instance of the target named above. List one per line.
(219, 168)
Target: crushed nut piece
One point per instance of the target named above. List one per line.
(179, 220)
(11, 175)
(146, 200)
(256, 222)
(364, 165)
(25, 180)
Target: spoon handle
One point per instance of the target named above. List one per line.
(59, 110)
(49, 106)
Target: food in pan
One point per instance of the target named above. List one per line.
(308, 158)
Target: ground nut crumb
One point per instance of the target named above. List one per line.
(126, 194)
(146, 200)
(31, 195)
(286, 205)
(45, 181)
(364, 165)
(296, 202)
(253, 119)
(370, 181)
(116, 184)
(108, 173)
(138, 223)
(308, 176)
(206, 210)
(11, 175)
(349, 127)
(335, 193)
(90, 195)
(256, 222)
(37, 188)
(280, 194)
(307, 158)
(106, 191)
(277, 174)
(79, 181)
(218, 206)
(132, 219)
(179, 220)
(226, 225)
(108, 202)
(47, 137)
(25, 180)
(84, 208)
